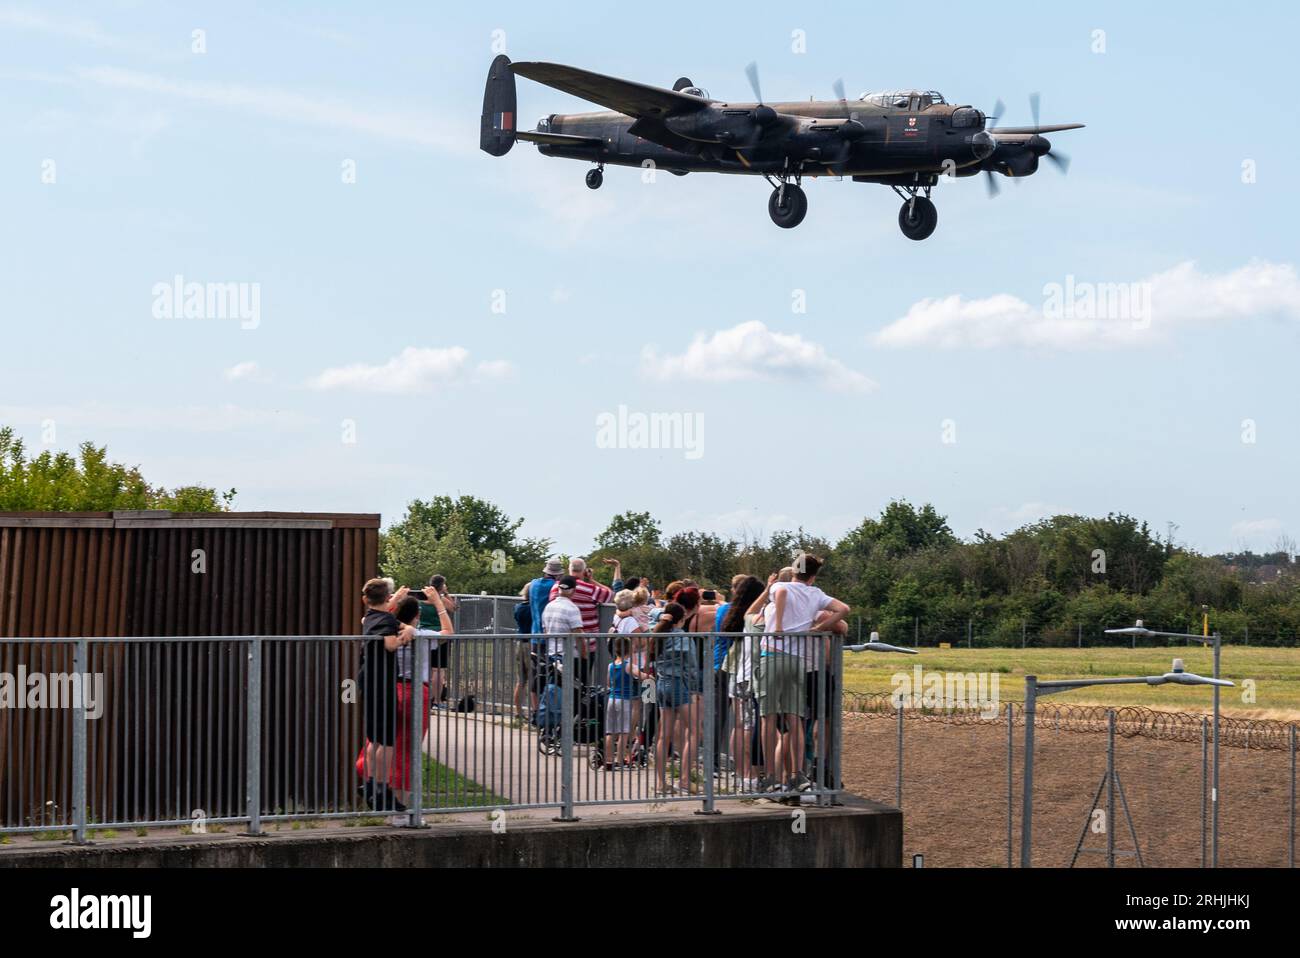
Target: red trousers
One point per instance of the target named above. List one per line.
(399, 774)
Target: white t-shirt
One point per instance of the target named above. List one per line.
(802, 603)
(406, 654)
(625, 625)
(743, 653)
(559, 617)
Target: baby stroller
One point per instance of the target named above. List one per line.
(589, 717)
(588, 712)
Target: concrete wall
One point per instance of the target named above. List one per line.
(861, 834)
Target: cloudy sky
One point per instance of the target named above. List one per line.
(419, 318)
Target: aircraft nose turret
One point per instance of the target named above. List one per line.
(983, 143)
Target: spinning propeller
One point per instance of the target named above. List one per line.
(1040, 146)
(763, 115)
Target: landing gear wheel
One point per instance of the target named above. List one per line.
(918, 219)
(594, 179)
(791, 213)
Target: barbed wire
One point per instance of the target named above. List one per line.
(1131, 721)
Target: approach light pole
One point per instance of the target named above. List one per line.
(1034, 688)
(875, 645)
(1215, 640)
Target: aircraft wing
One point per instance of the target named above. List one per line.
(1031, 130)
(625, 96)
(558, 139)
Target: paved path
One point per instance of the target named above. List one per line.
(502, 756)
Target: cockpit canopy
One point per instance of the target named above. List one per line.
(904, 99)
(695, 91)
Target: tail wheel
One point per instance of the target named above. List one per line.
(918, 218)
(594, 179)
(788, 212)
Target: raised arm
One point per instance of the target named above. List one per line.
(778, 612)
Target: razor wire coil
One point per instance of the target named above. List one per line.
(1131, 721)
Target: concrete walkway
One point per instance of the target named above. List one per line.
(502, 756)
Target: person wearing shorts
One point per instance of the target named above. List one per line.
(525, 665)
(779, 685)
(794, 607)
(624, 681)
(441, 651)
(677, 697)
(384, 636)
(738, 666)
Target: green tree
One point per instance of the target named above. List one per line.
(484, 525)
(412, 551)
(629, 530)
(89, 482)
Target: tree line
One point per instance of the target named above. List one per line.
(89, 482)
(904, 572)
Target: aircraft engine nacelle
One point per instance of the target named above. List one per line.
(730, 127)
(1011, 159)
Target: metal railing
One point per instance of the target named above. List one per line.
(207, 732)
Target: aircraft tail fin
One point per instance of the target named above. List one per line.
(499, 121)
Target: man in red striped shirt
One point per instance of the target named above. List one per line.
(587, 595)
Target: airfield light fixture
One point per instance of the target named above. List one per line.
(1139, 630)
(875, 645)
(1177, 675)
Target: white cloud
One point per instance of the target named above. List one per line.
(249, 370)
(414, 370)
(1076, 313)
(751, 351)
(287, 105)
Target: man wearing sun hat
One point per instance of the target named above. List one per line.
(538, 594)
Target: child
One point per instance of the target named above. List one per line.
(384, 636)
(624, 681)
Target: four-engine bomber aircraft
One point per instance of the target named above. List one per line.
(905, 140)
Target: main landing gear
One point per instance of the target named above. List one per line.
(788, 204)
(919, 216)
(595, 177)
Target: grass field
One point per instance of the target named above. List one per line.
(1275, 671)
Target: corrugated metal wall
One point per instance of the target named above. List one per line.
(171, 738)
(109, 574)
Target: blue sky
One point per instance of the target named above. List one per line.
(376, 320)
